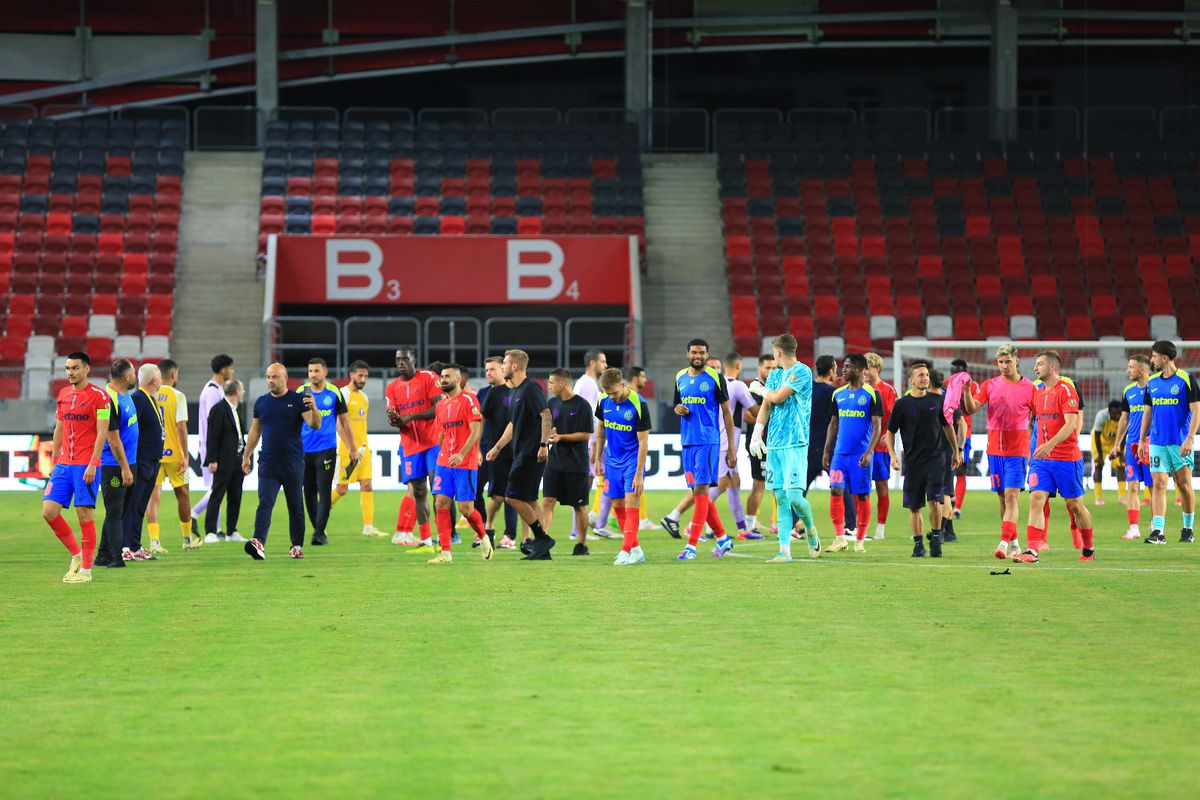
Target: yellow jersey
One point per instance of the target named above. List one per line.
(174, 410)
(357, 404)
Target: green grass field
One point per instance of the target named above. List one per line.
(362, 672)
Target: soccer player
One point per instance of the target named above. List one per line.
(566, 480)
(636, 379)
(619, 456)
(588, 387)
(212, 393)
(1104, 440)
(116, 473)
(784, 418)
(1168, 429)
(855, 425)
(918, 418)
(1129, 429)
(758, 485)
(700, 396)
(145, 460)
(411, 406)
(960, 475)
(320, 447)
(881, 459)
(460, 424)
(81, 427)
(1009, 401)
(494, 403)
(1055, 465)
(359, 469)
(529, 431)
(174, 464)
(278, 417)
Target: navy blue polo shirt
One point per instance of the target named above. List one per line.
(281, 419)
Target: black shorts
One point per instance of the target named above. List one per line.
(568, 488)
(756, 469)
(814, 471)
(948, 479)
(524, 479)
(924, 483)
(498, 477)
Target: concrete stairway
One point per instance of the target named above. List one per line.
(218, 300)
(684, 294)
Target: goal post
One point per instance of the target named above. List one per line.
(1097, 369)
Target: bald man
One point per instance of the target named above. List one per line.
(144, 462)
(278, 418)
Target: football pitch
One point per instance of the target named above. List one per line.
(361, 671)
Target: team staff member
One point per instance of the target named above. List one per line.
(278, 418)
(174, 464)
(320, 447)
(149, 453)
(116, 476)
(357, 407)
(758, 487)
(567, 480)
(493, 475)
(212, 393)
(918, 418)
(529, 431)
(80, 429)
(224, 447)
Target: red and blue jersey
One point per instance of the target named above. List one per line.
(78, 410)
(1055, 406)
(454, 418)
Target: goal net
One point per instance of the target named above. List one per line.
(1097, 368)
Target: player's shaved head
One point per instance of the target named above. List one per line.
(277, 379)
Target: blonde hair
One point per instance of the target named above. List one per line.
(1006, 350)
(874, 360)
(518, 357)
(610, 378)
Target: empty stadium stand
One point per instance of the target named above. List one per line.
(851, 239)
(450, 178)
(89, 222)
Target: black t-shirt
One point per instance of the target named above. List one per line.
(281, 419)
(571, 416)
(526, 404)
(495, 418)
(919, 421)
(947, 448)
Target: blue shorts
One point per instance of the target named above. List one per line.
(1135, 470)
(1061, 477)
(881, 466)
(419, 465)
(967, 451)
(618, 478)
(787, 468)
(66, 484)
(700, 464)
(1166, 458)
(1007, 472)
(455, 482)
(847, 475)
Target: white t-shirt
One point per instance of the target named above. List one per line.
(210, 395)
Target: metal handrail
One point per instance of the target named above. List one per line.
(397, 342)
(470, 322)
(554, 349)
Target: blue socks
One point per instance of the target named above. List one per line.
(1158, 523)
(786, 520)
(1189, 520)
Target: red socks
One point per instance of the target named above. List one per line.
(88, 532)
(1034, 538)
(713, 518)
(629, 519)
(425, 531)
(1134, 515)
(1086, 535)
(1008, 531)
(407, 514)
(476, 523)
(699, 515)
(863, 507)
(65, 535)
(960, 491)
(837, 513)
(885, 502)
(1046, 515)
(445, 528)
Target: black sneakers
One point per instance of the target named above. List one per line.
(948, 534)
(1186, 536)
(935, 544)
(918, 549)
(671, 526)
(1155, 537)
(580, 550)
(539, 548)
(526, 546)
(319, 539)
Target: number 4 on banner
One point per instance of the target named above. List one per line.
(393, 289)
(572, 291)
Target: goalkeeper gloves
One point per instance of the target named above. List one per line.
(758, 448)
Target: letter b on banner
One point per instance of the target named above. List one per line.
(520, 270)
(336, 269)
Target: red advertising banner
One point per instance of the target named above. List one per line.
(455, 270)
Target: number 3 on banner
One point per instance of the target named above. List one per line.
(393, 289)
(572, 291)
